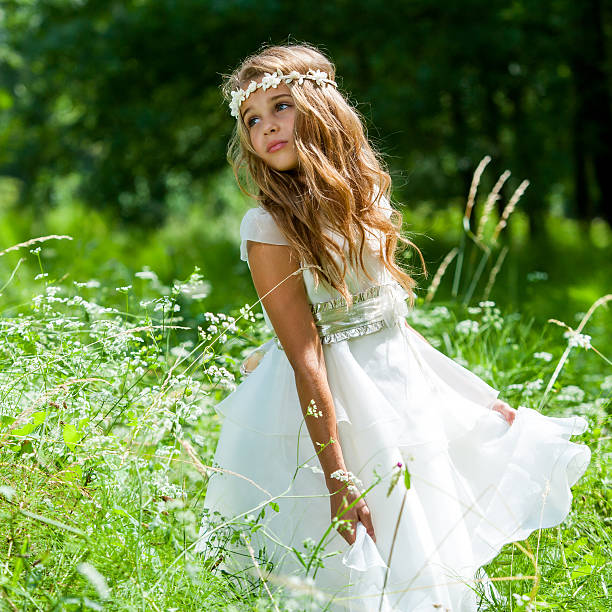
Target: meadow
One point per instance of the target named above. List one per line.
(116, 344)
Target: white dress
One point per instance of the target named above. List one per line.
(476, 483)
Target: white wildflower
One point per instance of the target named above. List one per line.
(347, 477)
(179, 352)
(211, 317)
(468, 326)
(42, 275)
(312, 410)
(575, 339)
(571, 393)
(7, 492)
(195, 287)
(315, 469)
(90, 284)
(146, 274)
(441, 311)
(543, 355)
(535, 276)
(532, 386)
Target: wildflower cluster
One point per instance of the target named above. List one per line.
(575, 339)
(349, 478)
(312, 410)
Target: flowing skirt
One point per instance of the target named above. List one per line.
(475, 483)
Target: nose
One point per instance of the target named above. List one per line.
(271, 126)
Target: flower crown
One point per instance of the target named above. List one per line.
(273, 80)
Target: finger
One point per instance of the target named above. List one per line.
(366, 518)
(510, 413)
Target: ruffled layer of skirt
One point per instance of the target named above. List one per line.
(475, 482)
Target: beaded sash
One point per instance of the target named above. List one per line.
(373, 309)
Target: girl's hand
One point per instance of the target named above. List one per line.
(505, 410)
(339, 500)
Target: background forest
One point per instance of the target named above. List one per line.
(126, 323)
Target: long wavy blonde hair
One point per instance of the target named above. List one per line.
(339, 179)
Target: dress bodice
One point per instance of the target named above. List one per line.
(258, 225)
(378, 300)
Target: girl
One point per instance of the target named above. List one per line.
(379, 404)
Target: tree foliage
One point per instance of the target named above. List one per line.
(120, 99)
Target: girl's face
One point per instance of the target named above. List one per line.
(269, 117)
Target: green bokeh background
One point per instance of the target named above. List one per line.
(113, 130)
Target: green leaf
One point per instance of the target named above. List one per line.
(25, 430)
(582, 571)
(5, 420)
(407, 478)
(39, 417)
(52, 522)
(274, 506)
(72, 473)
(36, 419)
(71, 435)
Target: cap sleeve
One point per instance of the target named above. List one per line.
(258, 225)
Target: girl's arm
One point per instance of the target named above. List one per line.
(289, 311)
(290, 314)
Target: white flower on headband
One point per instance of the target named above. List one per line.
(250, 89)
(319, 76)
(294, 75)
(274, 80)
(270, 80)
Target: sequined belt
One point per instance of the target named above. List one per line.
(372, 310)
(375, 308)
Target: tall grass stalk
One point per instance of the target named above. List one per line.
(600, 302)
(494, 272)
(509, 208)
(32, 241)
(490, 203)
(437, 279)
(261, 577)
(466, 221)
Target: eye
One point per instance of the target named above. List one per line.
(285, 104)
(250, 121)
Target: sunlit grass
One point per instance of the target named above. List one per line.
(95, 400)
(110, 369)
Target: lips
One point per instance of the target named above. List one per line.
(275, 145)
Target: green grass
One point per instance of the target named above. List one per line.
(99, 502)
